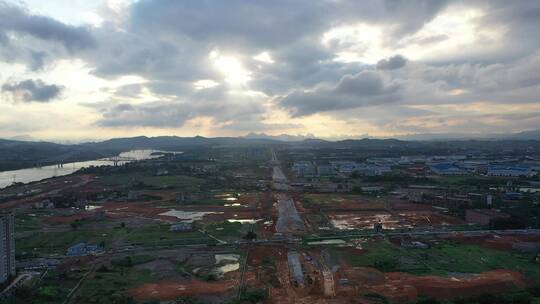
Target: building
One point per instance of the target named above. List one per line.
(371, 170)
(509, 170)
(325, 168)
(447, 169)
(7, 247)
(344, 166)
(372, 189)
(304, 168)
(484, 216)
(82, 249)
(44, 204)
(181, 227)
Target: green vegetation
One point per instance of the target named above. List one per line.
(175, 182)
(53, 289)
(25, 222)
(228, 229)
(130, 261)
(160, 235)
(109, 285)
(44, 243)
(443, 259)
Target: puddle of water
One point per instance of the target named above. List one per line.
(228, 262)
(228, 257)
(188, 216)
(244, 221)
(349, 222)
(92, 207)
(228, 268)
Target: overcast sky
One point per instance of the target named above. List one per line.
(96, 69)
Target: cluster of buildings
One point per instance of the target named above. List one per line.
(464, 168)
(346, 167)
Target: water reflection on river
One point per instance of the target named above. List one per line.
(37, 174)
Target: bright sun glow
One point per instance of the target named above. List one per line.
(234, 71)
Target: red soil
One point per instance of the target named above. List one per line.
(496, 242)
(445, 288)
(402, 287)
(170, 290)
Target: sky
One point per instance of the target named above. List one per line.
(97, 69)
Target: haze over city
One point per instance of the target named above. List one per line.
(333, 69)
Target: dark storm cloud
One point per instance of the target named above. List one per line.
(32, 91)
(392, 63)
(352, 91)
(16, 19)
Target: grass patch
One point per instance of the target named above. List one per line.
(227, 229)
(25, 222)
(443, 259)
(40, 243)
(110, 285)
(160, 235)
(175, 182)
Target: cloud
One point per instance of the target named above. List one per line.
(392, 63)
(32, 90)
(352, 91)
(16, 19)
(154, 114)
(388, 64)
(214, 103)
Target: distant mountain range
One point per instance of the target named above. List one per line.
(525, 135)
(15, 154)
(282, 137)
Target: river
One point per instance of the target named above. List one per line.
(39, 173)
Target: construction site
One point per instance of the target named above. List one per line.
(277, 245)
